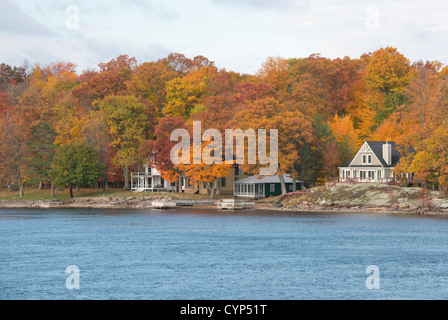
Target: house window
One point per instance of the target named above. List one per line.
(362, 174)
(354, 173)
(372, 175)
(272, 187)
(290, 188)
(367, 159)
(237, 171)
(223, 182)
(236, 179)
(378, 174)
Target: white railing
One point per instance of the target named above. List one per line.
(139, 174)
(358, 180)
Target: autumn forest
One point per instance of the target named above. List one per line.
(60, 128)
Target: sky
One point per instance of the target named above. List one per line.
(238, 35)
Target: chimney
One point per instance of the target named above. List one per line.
(146, 166)
(387, 153)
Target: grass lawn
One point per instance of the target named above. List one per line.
(36, 194)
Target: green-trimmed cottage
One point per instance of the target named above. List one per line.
(263, 187)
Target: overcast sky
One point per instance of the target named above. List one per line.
(237, 34)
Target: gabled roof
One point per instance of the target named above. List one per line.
(377, 149)
(264, 179)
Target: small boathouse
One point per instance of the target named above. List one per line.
(263, 186)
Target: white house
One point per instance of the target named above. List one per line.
(374, 162)
(150, 180)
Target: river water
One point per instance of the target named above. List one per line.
(207, 254)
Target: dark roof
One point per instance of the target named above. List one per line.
(377, 148)
(345, 165)
(264, 179)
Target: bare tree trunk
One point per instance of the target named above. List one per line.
(218, 185)
(282, 184)
(20, 182)
(105, 185)
(180, 182)
(126, 178)
(71, 192)
(52, 189)
(40, 185)
(294, 186)
(21, 193)
(212, 192)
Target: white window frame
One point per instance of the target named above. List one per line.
(366, 159)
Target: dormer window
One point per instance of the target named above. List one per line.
(366, 159)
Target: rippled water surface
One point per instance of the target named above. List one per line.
(188, 254)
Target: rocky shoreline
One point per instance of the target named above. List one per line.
(263, 205)
(352, 209)
(85, 202)
(366, 198)
(357, 198)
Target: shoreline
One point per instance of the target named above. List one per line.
(90, 203)
(358, 198)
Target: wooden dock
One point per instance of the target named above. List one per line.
(163, 204)
(225, 204)
(234, 204)
(169, 204)
(195, 202)
(47, 204)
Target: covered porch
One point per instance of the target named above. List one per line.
(141, 182)
(366, 175)
(150, 180)
(249, 190)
